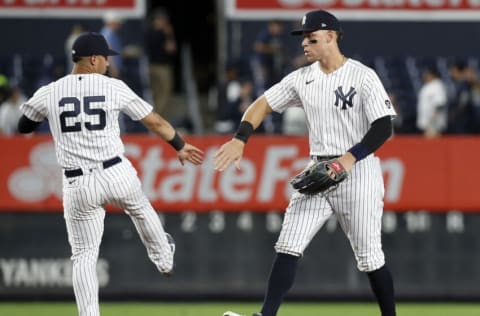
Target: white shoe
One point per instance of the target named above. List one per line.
(229, 313)
(171, 242)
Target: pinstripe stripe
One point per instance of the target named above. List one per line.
(358, 202)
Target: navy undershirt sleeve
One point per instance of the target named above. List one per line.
(380, 130)
(26, 125)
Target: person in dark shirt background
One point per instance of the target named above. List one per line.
(161, 48)
(268, 65)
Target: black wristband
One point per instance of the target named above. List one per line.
(177, 142)
(359, 151)
(245, 129)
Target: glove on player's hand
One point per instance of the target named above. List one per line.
(320, 177)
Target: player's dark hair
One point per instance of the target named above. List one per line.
(339, 36)
(76, 59)
(432, 70)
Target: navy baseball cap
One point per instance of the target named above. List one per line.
(318, 20)
(88, 44)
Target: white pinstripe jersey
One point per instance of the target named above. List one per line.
(82, 111)
(339, 106)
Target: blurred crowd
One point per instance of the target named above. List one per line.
(449, 105)
(246, 79)
(445, 103)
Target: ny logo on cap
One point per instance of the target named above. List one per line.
(304, 19)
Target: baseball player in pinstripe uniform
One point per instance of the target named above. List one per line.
(82, 109)
(349, 116)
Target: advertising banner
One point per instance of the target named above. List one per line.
(71, 8)
(419, 173)
(388, 10)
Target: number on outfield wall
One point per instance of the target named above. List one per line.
(217, 222)
(274, 222)
(455, 223)
(245, 221)
(389, 222)
(188, 223)
(417, 222)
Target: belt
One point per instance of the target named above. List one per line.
(106, 164)
(321, 158)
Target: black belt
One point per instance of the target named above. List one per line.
(321, 158)
(106, 164)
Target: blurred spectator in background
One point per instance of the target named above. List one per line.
(476, 105)
(246, 96)
(268, 60)
(161, 48)
(294, 120)
(111, 26)
(431, 104)
(268, 63)
(4, 88)
(460, 109)
(227, 91)
(111, 31)
(234, 96)
(11, 99)
(77, 29)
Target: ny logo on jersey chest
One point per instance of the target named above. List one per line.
(346, 99)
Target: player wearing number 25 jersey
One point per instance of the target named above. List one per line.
(82, 110)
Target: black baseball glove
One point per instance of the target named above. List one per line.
(320, 177)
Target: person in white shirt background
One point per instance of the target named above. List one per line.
(432, 104)
(11, 99)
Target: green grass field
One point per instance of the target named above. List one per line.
(217, 309)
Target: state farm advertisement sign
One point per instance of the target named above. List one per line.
(422, 10)
(419, 174)
(71, 8)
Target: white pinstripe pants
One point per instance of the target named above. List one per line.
(83, 201)
(358, 205)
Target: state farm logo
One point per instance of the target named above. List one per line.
(262, 182)
(40, 179)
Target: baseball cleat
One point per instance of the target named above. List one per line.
(257, 314)
(171, 242)
(229, 313)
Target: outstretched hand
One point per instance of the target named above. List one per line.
(231, 151)
(190, 153)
